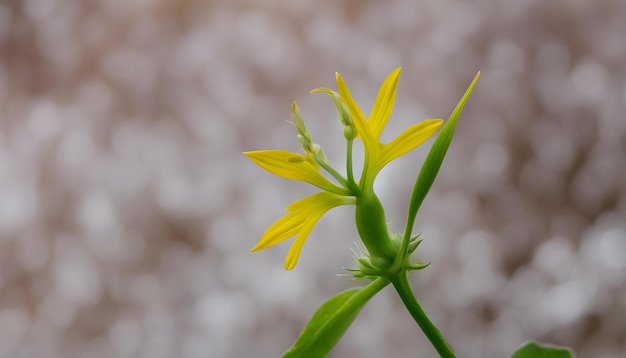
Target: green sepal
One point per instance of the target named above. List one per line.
(414, 243)
(532, 349)
(332, 320)
(417, 266)
(435, 156)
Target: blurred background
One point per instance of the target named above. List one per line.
(127, 210)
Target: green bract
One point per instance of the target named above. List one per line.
(332, 320)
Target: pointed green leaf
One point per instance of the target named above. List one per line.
(433, 161)
(332, 320)
(531, 349)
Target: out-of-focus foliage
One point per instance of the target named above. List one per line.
(534, 350)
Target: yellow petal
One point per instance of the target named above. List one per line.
(384, 103)
(292, 166)
(296, 247)
(408, 140)
(316, 208)
(362, 127)
(284, 228)
(300, 219)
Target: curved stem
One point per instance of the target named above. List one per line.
(332, 172)
(401, 284)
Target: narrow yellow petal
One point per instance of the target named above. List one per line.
(301, 217)
(296, 247)
(294, 253)
(384, 103)
(322, 203)
(362, 127)
(319, 202)
(292, 166)
(284, 228)
(408, 140)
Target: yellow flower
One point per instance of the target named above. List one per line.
(377, 154)
(303, 214)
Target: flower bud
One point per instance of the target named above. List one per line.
(297, 118)
(349, 130)
(313, 150)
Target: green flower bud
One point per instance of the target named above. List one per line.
(297, 119)
(304, 137)
(349, 130)
(304, 142)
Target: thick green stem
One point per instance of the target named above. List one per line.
(401, 284)
(372, 228)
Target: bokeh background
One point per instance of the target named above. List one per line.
(127, 210)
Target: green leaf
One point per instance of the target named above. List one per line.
(435, 156)
(332, 320)
(531, 349)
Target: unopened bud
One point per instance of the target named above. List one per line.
(304, 142)
(297, 118)
(349, 130)
(304, 137)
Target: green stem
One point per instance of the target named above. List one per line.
(401, 284)
(402, 253)
(352, 185)
(369, 216)
(349, 162)
(332, 172)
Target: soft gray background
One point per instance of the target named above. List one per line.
(127, 210)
